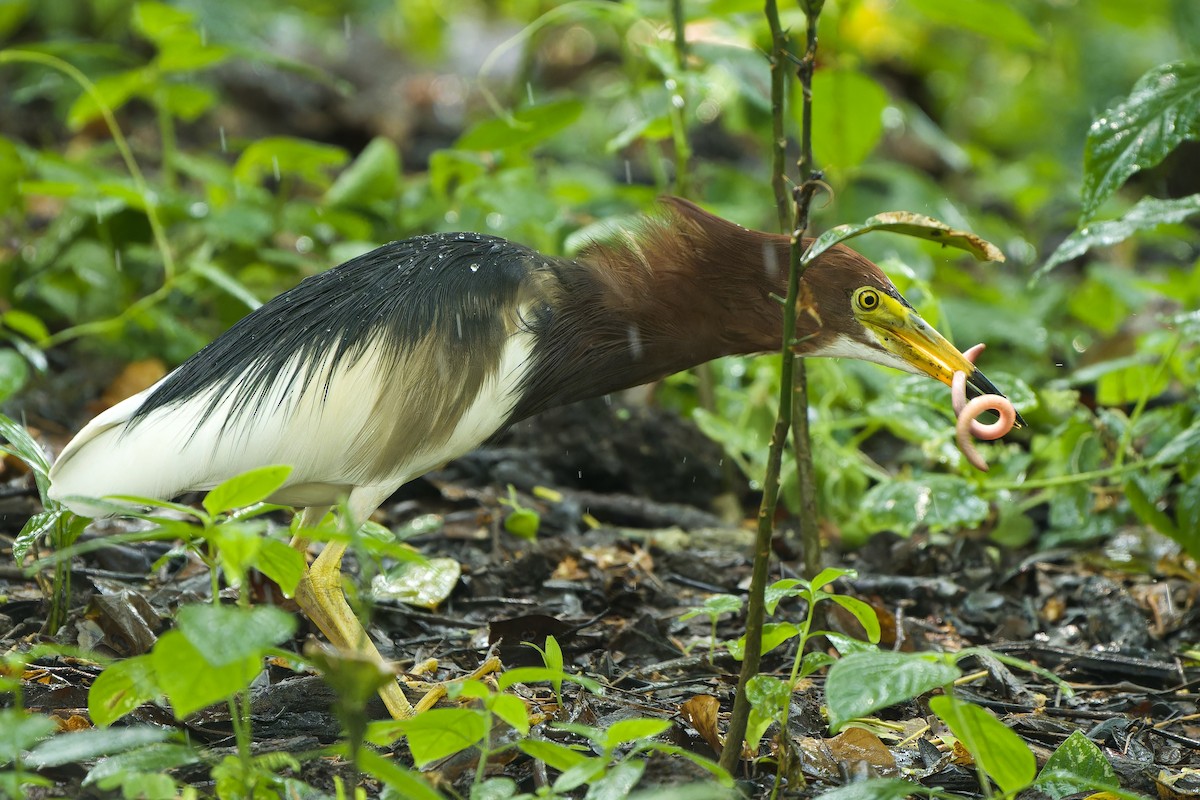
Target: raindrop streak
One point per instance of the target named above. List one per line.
(221, 133)
(770, 260)
(117, 260)
(628, 173)
(346, 26)
(458, 324)
(635, 342)
(529, 91)
(99, 214)
(275, 166)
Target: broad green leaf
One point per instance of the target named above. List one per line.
(160, 22)
(442, 732)
(186, 101)
(280, 157)
(1137, 133)
(404, 783)
(190, 680)
(114, 91)
(524, 128)
(281, 563)
(228, 635)
(908, 224)
(523, 523)
(553, 754)
(12, 169)
(774, 634)
(14, 373)
(22, 322)
(994, 19)
(862, 612)
(715, 605)
(618, 781)
(512, 710)
(1129, 382)
(69, 748)
(373, 176)
(934, 502)
(1147, 510)
(22, 445)
(109, 772)
(1149, 213)
(1003, 756)
(877, 789)
(121, 688)
(246, 489)
(1184, 444)
(769, 697)
(850, 122)
(19, 731)
(1076, 766)
(864, 682)
(631, 730)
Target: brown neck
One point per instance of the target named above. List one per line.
(672, 294)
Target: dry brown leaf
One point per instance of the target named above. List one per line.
(858, 745)
(700, 712)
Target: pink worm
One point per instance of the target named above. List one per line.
(968, 412)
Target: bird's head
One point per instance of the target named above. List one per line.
(849, 308)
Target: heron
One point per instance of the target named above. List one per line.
(368, 375)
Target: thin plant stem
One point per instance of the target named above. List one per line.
(755, 612)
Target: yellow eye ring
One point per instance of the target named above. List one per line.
(867, 299)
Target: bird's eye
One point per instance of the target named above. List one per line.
(867, 299)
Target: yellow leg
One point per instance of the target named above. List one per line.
(320, 596)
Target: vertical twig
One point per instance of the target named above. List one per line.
(678, 100)
(802, 195)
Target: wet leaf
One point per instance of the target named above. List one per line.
(700, 711)
(935, 502)
(1148, 214)
(227, 634)
(252, 486)
(1000, 752)
(191, 681)
(881, 789)
(845, 139)
(121, 688)
(442, 732)
(19, 731)
(90, 744)
(425, 585)
(1162, 110)
(373, 176)
(769, 697)
(524, 128)
(1076, 766)
(908, 224)
(993, 19)
(863, 682)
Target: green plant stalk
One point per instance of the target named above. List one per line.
(139, 180)
(1127, 435)
(683, 150)
(783, 421)
(168, 143)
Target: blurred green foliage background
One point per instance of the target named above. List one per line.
(278, 139)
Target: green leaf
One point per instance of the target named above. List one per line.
(851, 122)
(246, 489)
(1149, 213)
(862, 612)
(228, 635)
(19, 731)
(769, 697)
(1076, 766)
(997, 750)
(524, 128)
(153, 758)
(863, 682)
(877, 789)
(190, 681)
(404, 783)
(523, 522)
(442, 732)
(14, 373)
(121, 688)
(1162, 110)
(68, 748)
(908, 224)
(935, 502)
(281, 563)
(632, 730)
(278, 157)
(12, 170)
(114, 91)
(186, 101)
(424, 584)
(512, 710)
(618, 781)
(774, 634)
(373, 176)
(994, 19)
(1147, 510)
(553, 754)
(22, 322)
(714, 606)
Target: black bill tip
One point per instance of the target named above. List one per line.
(978, 384)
